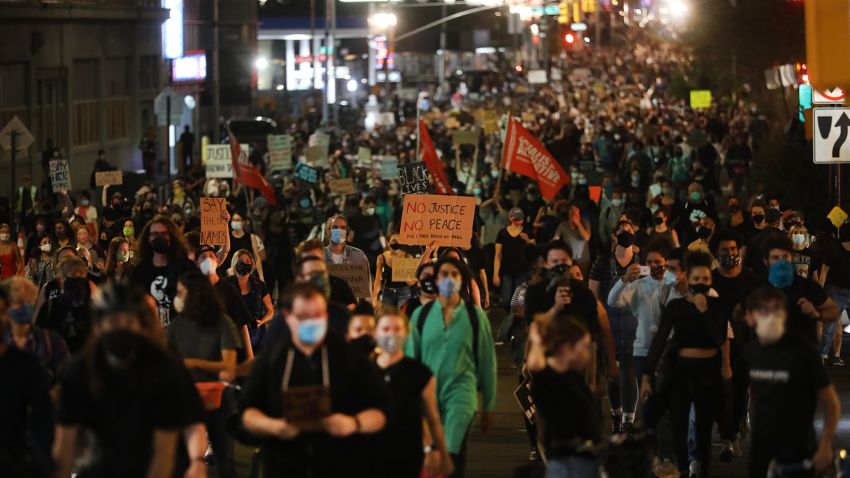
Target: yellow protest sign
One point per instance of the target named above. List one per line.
(837, 216)
(404, 268)
(341, 186)
(108, 178)
(700, 99)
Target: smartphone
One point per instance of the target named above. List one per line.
(644, 271)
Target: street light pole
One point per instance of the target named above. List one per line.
(216, 93)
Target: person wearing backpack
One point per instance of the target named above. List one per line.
(453, 338)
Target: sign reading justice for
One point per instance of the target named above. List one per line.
(427, 218)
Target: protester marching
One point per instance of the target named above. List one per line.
(341, 305)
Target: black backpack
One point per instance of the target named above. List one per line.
(473, 320)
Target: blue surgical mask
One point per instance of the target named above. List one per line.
(312, 331)
(305, 203)
(338, 236)
(669, 277)
(781, 274)
(696, 196)
(448, 286)
(21, 315)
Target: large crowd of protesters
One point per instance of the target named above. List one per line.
(661, 283)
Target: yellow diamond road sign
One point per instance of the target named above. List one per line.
(23, 137)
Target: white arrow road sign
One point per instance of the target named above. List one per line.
(831, 141)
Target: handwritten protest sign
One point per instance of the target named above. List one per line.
(357, 277)
(214, 221)
(490, 122)
(280, 151)
(218, 160)
(306, 173)
(341, 186)
(389, 167)
(108, 178)
(404, 268)
(364, 155)
(445, 219)
(315, 155)
(467, 136)
(413, 178)
(60, 175)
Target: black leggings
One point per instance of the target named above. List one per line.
(697, 382)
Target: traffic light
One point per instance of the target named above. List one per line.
(569, 38)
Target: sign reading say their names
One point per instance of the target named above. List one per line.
(446, 220)
(830, 142)
(60, 175)
(214, 221)
(341, 186)
(413, 178)
(357, 277)
(404, 268)
(306, 173)
(108, 178)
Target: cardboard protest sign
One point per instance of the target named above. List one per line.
(108, 178)
(341, 186)
(404, 268)
(306, 173)
(315, 155)
(357, 277)
(445, 219)
(413, 178)
(214, 221)
(60, 175)
(219, 164)
(364, 155)
(389, 167)
(280, 151)
(452, 122)
(465, 137)
(700, 99)
(306, 406)
(490, 123)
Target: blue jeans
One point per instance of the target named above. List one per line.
(841, 297)
(509, 285)
(571, 467)
(395, 296)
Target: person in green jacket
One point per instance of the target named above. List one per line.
(445, 340)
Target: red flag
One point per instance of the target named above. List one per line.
(248, 174)
(523, 154)
(428, 154)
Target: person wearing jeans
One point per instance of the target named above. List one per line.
(835, 272)
(512, 271)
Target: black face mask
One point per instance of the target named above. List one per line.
(366, 344)
(704, 232)
(658, 220)
(758, 218)
(160, 244)
(428, 285)
(554, 276)
(61, 233)
(625, 239)
(394, 246)
(76, 292)
(699, 288)
(243, 268)
(120, 347)
(734, 208)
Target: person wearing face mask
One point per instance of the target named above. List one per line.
(361, 329)
(576, 231)
(128, 231)
(40, 267)
(207, 341)
(803, 254)
(769, 230)
(426, 286)
(242, 239)
(835, 275)
(159, 258)
(387, 291)
(340, 291)
(453, 338)
(788, 384)
(508, 272)
(412, 389)
(609, 216)
(736, 216)
(125, 385)
(254, 293)
(84, 240)
(88, 211)
(660, 229)
(66, 303)
(117, 258)
(699, 200)
(45, 345)
(366, 232)
(531, 202)
(10, 257)
(338, 252)
(808, 303)
(62, 235)
(347, 398)
(697, 364)
(604, 273)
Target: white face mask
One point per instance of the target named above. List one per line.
(208, 266)
(769, 328)
(179, 303)
(4, 236)
(45, 247)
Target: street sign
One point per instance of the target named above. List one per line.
(834, 96)
(831, 129)
(23, 139)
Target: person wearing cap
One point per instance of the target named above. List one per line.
(510, 242)
(752, 253)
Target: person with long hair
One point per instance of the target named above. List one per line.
(11, 263)
(117, 258)
(426, 287)
(254, 294)
(40, 266)
(207, 340)
(159, 259)
(473, 291)
(385, 290)
(414, 400)
(453, 338)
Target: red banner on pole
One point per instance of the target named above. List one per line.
(428, 154)
(524, 154)
(248, 174)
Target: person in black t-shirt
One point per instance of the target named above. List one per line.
(412, 389)
(128, 391)
(340, 290)
(426, 286)
(66, 307)
(565, 406)
(807, 303)
(835, 274)
(788, 382)
(340, 394)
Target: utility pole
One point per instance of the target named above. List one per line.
(327, 73)
(216, 93)
(313, 56)
(441, 68)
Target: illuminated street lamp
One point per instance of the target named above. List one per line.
(383, 20)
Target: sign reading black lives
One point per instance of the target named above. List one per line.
(413, 178)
